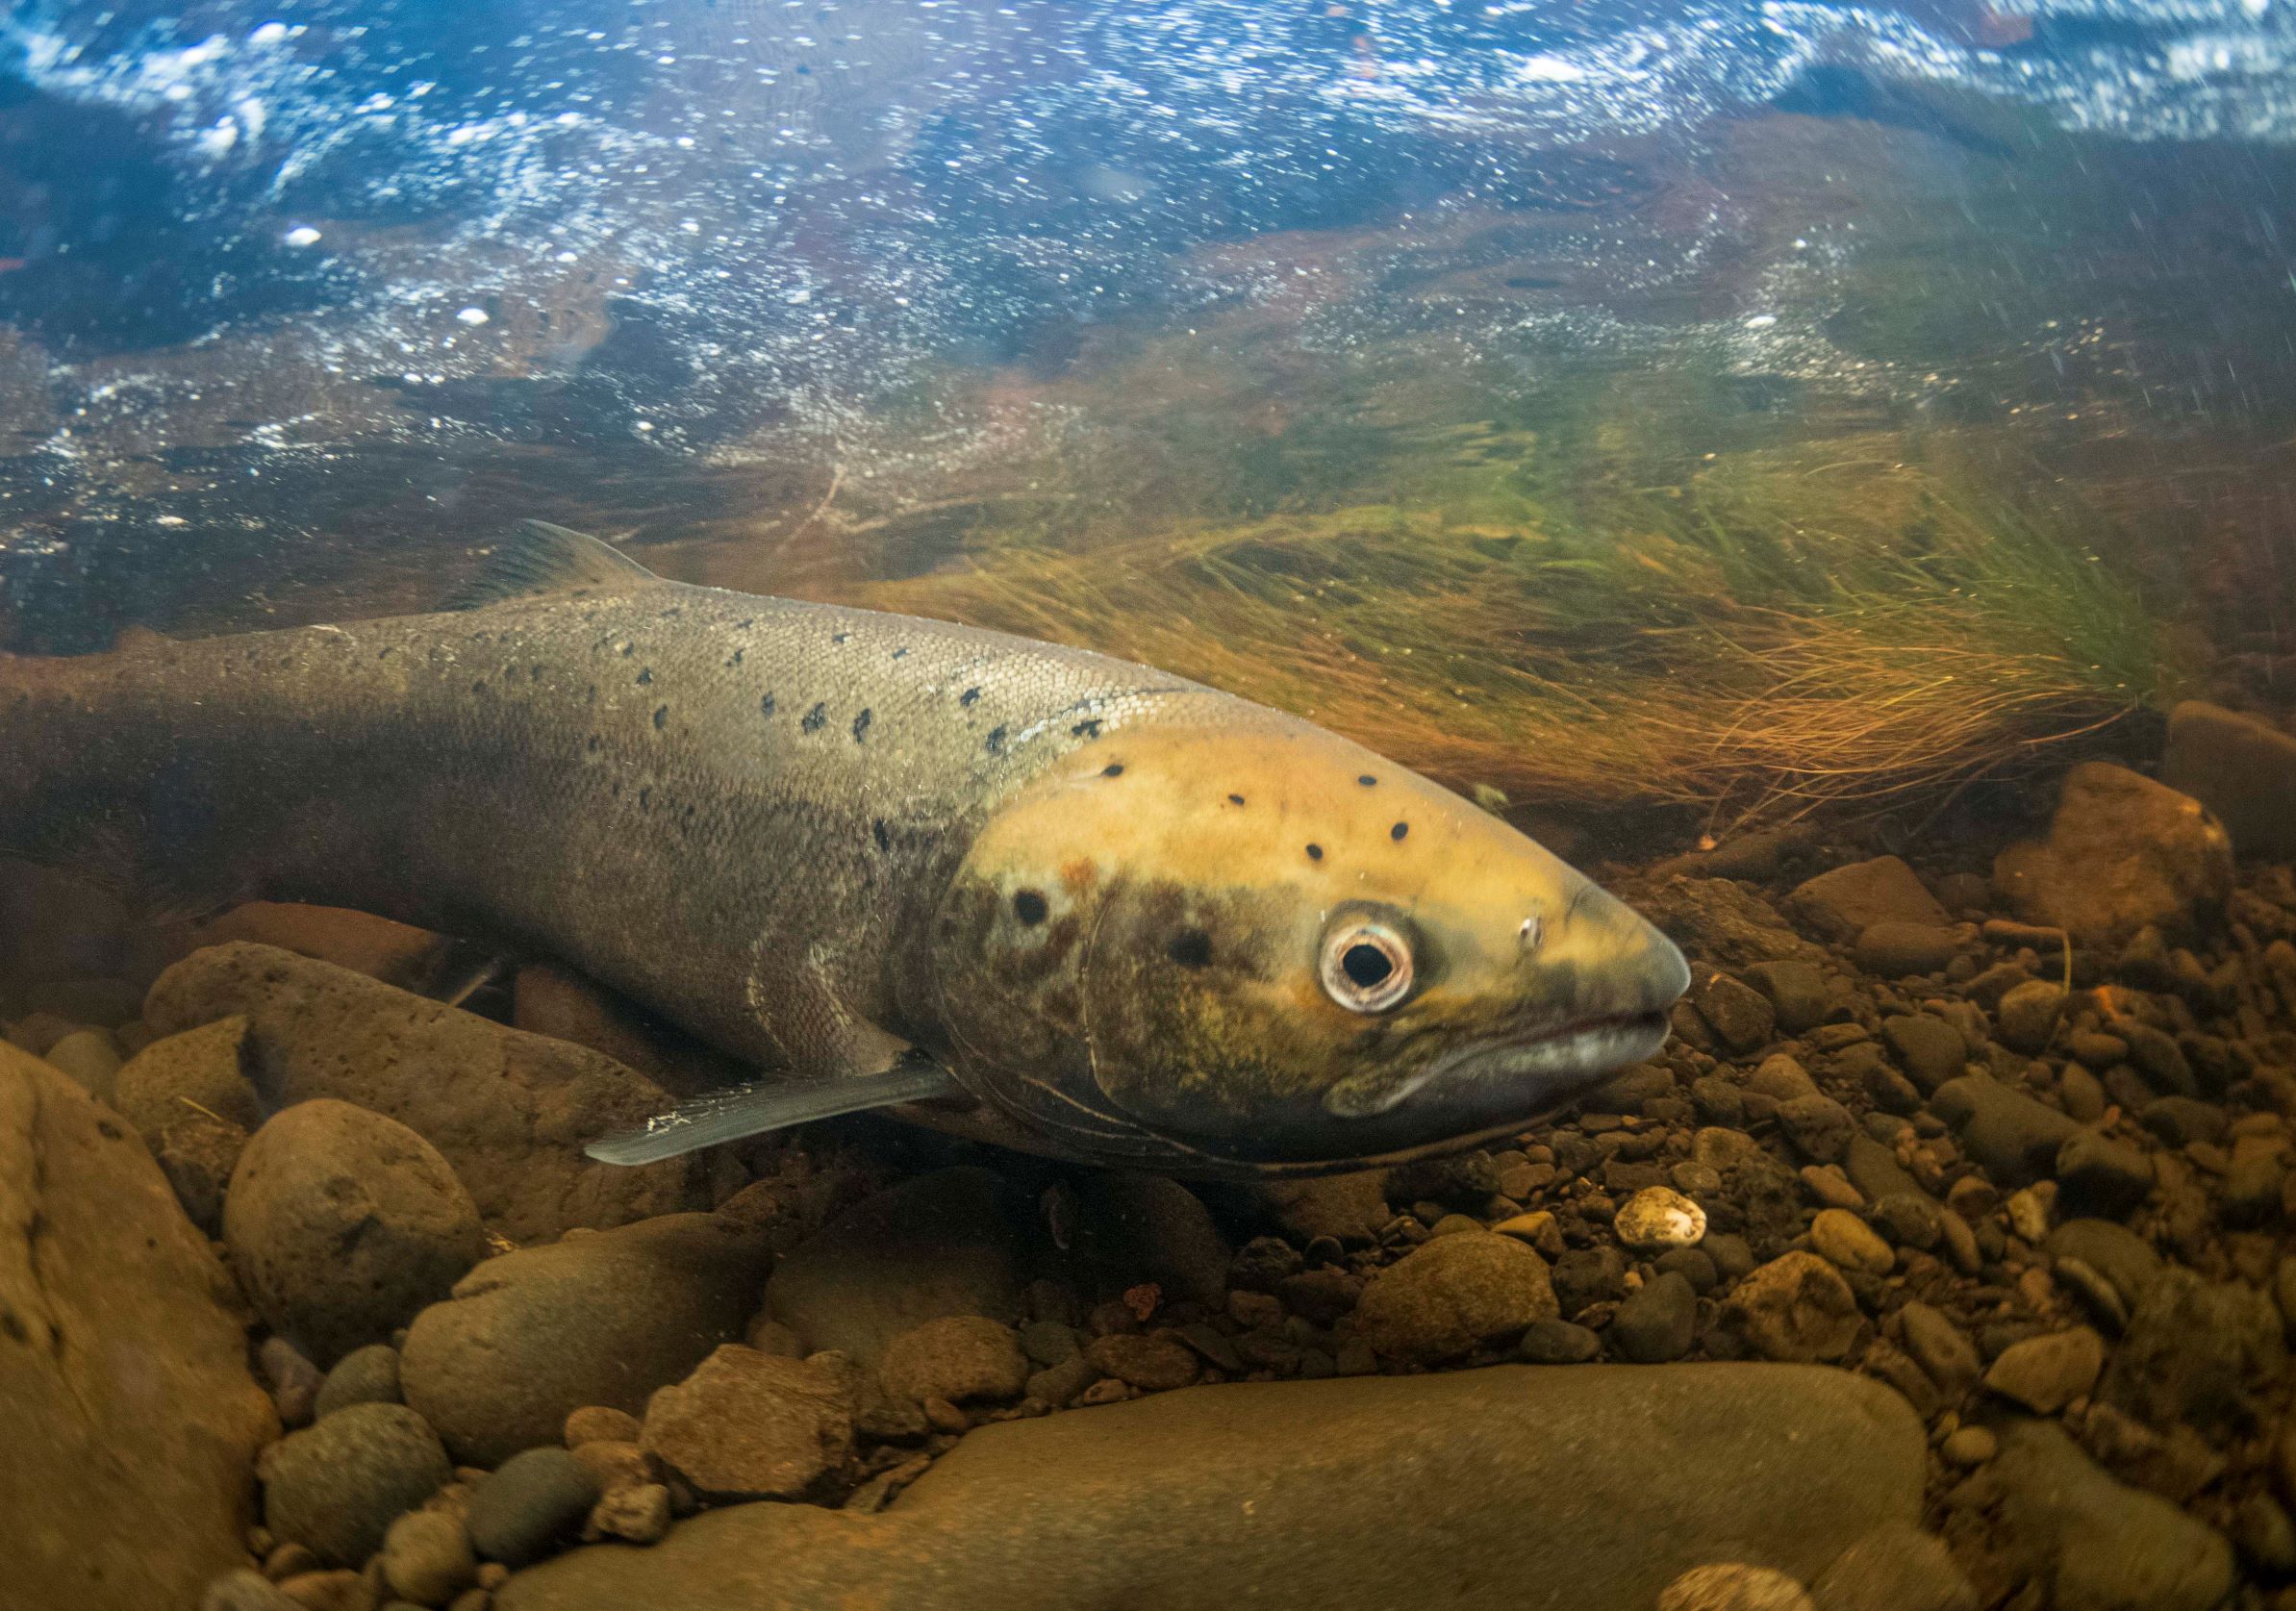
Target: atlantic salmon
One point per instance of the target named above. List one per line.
(1012, 889)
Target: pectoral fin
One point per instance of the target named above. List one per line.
(748, 1110)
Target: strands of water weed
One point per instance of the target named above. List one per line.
(1754, 644)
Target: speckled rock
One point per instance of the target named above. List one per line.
(509, 1111)
(2122, 853)
(1787, 1465)
(336, 1486)
(751, 1426)
(2197, 1352)
(1348, 1208)
(603, 1318)
(957, 1357)
(201, 1071)
(1797, 1308)
(600, 1424)
(1151, 1364)
(948, 1243)
(126, 1406)
(427, 1559)
(367, 1375)
(1658, 1217)
(197, 1155)
(1734, 1586)
(342, 1223)
(533, 1502)
(1452, 1296)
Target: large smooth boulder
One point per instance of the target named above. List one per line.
(126, 1407)
(1526, 1488)
(510, 1111)
(2122, 853)
(948, 1243)
(2239, 769)
(601, 1317)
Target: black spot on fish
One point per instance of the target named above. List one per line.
(1030, 907)
(626, 648)
(1399, 830)
(383, 654)
(899, 653)
(996, 741)
(1367, 780)
(861, 727)
(814, 720)
(673, 612)
(764, 706)
(735, 658)
(1114, 768)
(536, 674)
(839, 637)
(593, 746)
(646, 676)
(883, 833)
(1315, 852)
(1191, 948)
(968, 697)
(645, 796)
(745, 626)
(661, 717)
(478, 686)
(1235, 799)
(1089, 728)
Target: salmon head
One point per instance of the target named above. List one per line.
(1260, 948)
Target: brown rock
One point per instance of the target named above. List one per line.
(197, 1155)
(1844, 903)
(599, 1423)
(1454, 1295)
(2123, 852)
(125, 1404)
(957, 1357)
(1151, 1364)
(2045, 1374)
(1287, 1496)
(199, 1073)
(2241, 769)
(1796, 1307)
(341, 1223)
(747, 1425)
(1348, 1208)
(603, 1318)
(510, 1112)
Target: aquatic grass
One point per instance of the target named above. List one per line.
(1768, 637)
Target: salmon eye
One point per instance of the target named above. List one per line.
(1367, 967)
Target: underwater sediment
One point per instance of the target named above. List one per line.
(1939, 1260)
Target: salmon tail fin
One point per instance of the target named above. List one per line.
(539, 560)
(750, 1110)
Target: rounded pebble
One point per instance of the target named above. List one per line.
(1841, 1238)
(529, 1506)
(341, 1223)
(427, 1557)
(336, 1486)
(367, 1375)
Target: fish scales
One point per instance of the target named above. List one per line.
(1029, 893)
(698, 797)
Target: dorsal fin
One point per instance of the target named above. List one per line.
(539, 560)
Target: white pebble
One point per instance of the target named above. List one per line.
(302, 235)
(1658, 1217)
(472, 316)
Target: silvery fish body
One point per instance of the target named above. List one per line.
(1113, 905)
